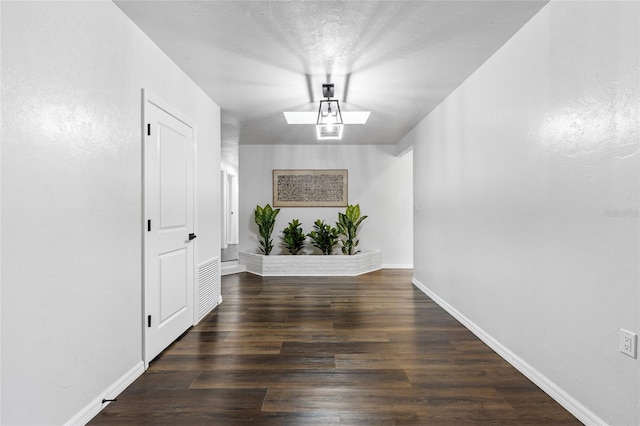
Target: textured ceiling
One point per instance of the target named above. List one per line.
(398, 59)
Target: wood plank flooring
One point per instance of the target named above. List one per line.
(368, 350)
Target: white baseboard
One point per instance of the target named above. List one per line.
(397, 266)
(581, 412)
(95, 406)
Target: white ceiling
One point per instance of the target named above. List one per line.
(398, 59)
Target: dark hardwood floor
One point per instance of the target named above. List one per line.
(368, 350)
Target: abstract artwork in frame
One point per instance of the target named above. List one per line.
(310, 188)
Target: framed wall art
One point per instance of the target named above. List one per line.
(310, 188)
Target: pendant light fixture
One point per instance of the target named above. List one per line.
(329, 124)
(330, 119)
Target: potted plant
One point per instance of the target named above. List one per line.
(323, 236)
(348, 223)
(293, 237)
(265, 219)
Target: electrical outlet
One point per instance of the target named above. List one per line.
(628, 343)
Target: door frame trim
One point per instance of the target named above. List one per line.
(149, 97)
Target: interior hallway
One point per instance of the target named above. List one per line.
(368, 350)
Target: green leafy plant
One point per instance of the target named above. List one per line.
(348, 223)
(323, 236)
(266, 219)
(293, 237)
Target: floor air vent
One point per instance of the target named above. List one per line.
(208, 286)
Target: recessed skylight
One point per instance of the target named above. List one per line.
(355, 117)
(300, 117)
(311, 117)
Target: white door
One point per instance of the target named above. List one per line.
(169, 208)
(224, 209)
(233, 209)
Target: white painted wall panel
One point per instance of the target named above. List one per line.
(72, 76)
(526, 184)
(378, 180)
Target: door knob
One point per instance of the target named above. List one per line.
(192, 237)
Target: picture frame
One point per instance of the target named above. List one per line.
(310, 187)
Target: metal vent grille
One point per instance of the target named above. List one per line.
(208, 286)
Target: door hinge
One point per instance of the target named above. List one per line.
(148, 320)
(149, 225)
(149, 129)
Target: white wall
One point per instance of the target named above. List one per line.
(1, 138)
(71, 189)
(378, 180)
(526, 183)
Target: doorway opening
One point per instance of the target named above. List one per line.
(230, 237)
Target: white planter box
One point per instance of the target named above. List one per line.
(311, 265)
